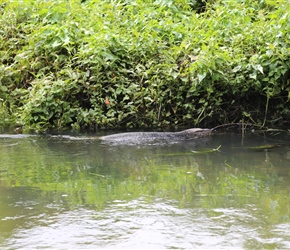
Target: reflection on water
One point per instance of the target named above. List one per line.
(135, 224)
(139, 224)
(76, 192)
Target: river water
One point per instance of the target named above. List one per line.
(73, 191)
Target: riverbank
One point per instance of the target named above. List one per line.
(101, 64)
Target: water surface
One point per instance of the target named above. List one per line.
(77, 192)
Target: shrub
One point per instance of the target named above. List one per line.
(143, 64)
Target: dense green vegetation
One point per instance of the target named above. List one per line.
(136, 63)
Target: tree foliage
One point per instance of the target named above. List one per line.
(144, 63)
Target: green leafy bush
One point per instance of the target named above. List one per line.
(143, 64)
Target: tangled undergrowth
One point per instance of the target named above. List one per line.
(110, 64)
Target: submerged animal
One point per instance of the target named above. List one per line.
(140, 137)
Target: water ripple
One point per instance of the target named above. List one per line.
(142, 225)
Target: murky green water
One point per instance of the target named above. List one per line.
(78, 193)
